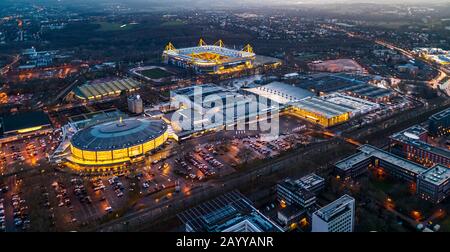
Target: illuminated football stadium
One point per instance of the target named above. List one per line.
(117, 142)
(212, 59)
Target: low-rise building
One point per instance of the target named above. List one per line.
(439, 123)
(290, 193)
(311, 182)
(432, 183)
(411, 143)
(26, 124)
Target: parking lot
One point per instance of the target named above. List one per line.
(68, 201)
(27, 151)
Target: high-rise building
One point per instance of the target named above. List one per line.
(135, 104)
(338, 216)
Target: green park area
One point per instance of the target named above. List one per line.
(111, 26)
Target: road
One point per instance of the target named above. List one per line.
(443, 72)
(8, 67)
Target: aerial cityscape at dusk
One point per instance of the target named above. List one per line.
(224, 116)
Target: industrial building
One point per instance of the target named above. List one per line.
(212, 59)
(230, 212)
(411, 143)
(358, 106)
(433, 182)
(439, 123)
(321, 111)
(437, 55)
(354, 85)
(338, 216)
(21, 125)
(280, 92)
(327, 110)
(117, 142)
(209, 106)
(34, 58)
(105, 89)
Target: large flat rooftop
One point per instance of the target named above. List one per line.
(323, 107)
(281, 92)
(230, 212)
(347, 83)
(309, 181)
(107, 88)
(438, 174)
(368, 151)
(22, 121)
(441, 115)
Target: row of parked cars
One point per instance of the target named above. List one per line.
(117, 186)
(46, 202)
(210, 159)
(2, 216)
(21, 219)
(80, 191)
(61, 194)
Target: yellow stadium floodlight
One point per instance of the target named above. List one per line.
(170, 47)
(219, 43)
(248, 48)
(201, 42)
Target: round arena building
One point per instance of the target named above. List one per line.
(117, 142)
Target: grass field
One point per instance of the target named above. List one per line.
(108, 26)
(172, 23)
(155, 73)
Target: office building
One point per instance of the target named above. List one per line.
(338, 216)
(290, 193)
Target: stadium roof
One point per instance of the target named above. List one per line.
(118, 134)
(11, 123)
(115, 87)
(228, 55)
(281, 92)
